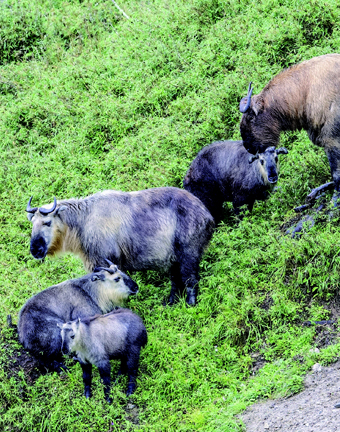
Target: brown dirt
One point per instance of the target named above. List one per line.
(19, 359)
(312, 410)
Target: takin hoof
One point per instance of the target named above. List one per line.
(306, 223)
(336, 199)
(130, 389)
(172, 300)
(87, 393)
(58, 367)
(191, 300)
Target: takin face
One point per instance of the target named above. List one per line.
(68, 333)
(115, 285)
(269, 164)
(47, 229)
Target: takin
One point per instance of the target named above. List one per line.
(119, 334)
(160, 228)
(304, 96)
(225, 171)
(98, 292)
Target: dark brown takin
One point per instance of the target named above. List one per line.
(161, 229)
(225, 171)
(97, 292)
(304, 96)
(119, 334)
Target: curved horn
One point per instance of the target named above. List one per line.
(30, 209)
(245, 102)
(281, 150)
(109, 270)
(252, 158)
(110, 263)
(45, 212)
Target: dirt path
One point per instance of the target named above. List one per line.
(312, 410)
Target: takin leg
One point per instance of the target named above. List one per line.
(177, 285)
(132, 370)
(332, 149)
(104, 369)
(87, 378)
(238, 203)
(189, 274)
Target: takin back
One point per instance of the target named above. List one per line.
(119, 334)
(304, 96)
(160, 228)
(225, 171)
(94, 293)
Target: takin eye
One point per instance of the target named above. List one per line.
(47, 223)
(261, 161)
(72, 336)
(117, 279)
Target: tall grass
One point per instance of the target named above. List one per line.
(90, 100)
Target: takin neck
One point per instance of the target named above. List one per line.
(284, 100)
(69, 239)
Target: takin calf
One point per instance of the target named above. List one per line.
(225, 171)
(304, 96)
(119, 334)
(94, 293)
(161, 229)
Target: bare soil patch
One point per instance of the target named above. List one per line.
(312, 410)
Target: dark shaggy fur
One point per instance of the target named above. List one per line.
(304, 96)
(117, 335)
(94, 293)
(161, 228)
(222, 172)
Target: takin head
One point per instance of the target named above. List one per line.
(47, 231)
(260, 127)
(113, 286)
(269, 163)
(70, 336)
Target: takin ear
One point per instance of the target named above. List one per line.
(60, 325)
(252, 158)
(257, 105)
(95, 277)
(282, 150)
(59, 209)
(30, 216)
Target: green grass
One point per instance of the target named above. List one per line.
(90, 100)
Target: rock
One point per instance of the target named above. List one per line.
(317, 367)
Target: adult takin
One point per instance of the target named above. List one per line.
(161, 229)
(119, 334)
(98, 292)
(304, 96)
(225, 171)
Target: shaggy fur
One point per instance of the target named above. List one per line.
(160, 228)
(117, 335)
(222, 172)
(94, 293)
(304, 96)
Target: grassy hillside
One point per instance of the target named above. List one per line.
(91, 100)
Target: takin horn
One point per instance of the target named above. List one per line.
(30, 209)
(109, 270)
(45, 212)
(245, 102)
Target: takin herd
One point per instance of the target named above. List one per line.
(166, 228)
